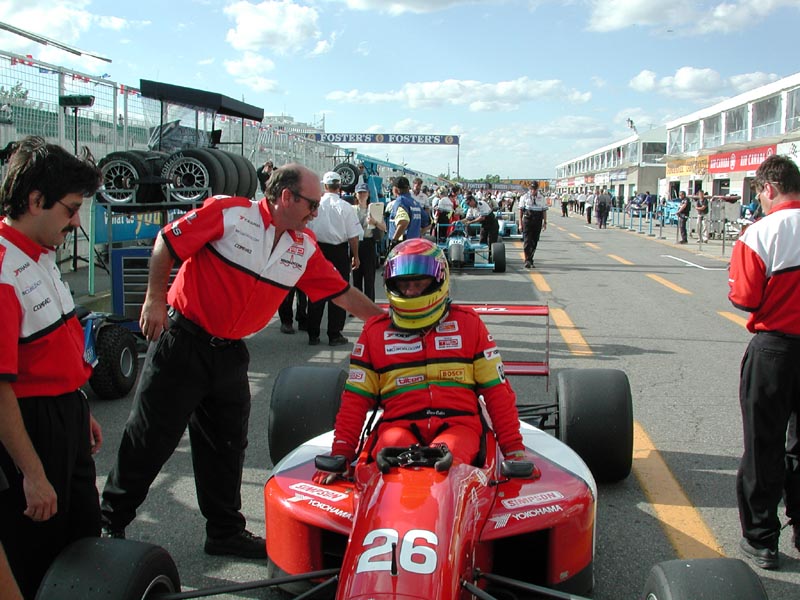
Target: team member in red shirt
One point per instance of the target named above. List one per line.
(238, 259)
(765, 281)
(47, 434)
(425, 364)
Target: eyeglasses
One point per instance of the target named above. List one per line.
(312, 204)
(71, 210)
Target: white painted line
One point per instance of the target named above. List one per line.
(691, 264)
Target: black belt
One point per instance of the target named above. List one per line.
(788, 336)
(531, 212)
(193, 328)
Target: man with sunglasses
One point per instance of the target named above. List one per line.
(47, 433)
(239, 259)
(764, 280)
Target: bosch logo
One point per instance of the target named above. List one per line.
(41, 304)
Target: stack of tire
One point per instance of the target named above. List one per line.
(136, 177)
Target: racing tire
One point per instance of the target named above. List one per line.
(192, 168)
(303, 405)
(455, 252)
(229, 168)
(104, 568)
(349, 174)
(499, 257)
(117, 362)
(595, 419)
(246, 178)
(707, 578)
(122, 173)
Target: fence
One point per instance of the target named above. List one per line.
(121, 119)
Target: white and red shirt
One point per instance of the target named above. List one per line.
(764, 274)
(232, 279)
(41, 340)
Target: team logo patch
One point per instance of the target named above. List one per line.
(403, 348)
(452, 374)
(176, 230)
(296, 249)
(358, 350)
(501, 373)
(191, 216)
(490, 337)
(448, 343)
(356, 375)
(491, 353)
(447, 327)
(410, 380)
(398, 335)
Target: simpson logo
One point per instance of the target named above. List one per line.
(447, 327)
(403, 348)
(358, 350)
(452, 374)
(356, 375)
(297, 250)
(491, 353)
(411, 380)
(503, 520)
(533, 499)
(312, 490)
(398, 335)
(176, 230)
(448, 343)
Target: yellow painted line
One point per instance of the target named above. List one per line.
(573, 338)
(620, 259)
(669, 284)
(538, 279)
(682, 523)
(591, 245)
(739, 320)
(576, 236)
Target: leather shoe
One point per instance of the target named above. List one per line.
(528, 264)
(313, 341)
(287, 328)
(795, 534)
(302, 326)
(338, 341)
(106, 531)
(764, 558)
(243, 544)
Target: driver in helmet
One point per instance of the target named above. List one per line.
(425, 363)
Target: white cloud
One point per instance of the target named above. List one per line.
(399, 7)
(701, 85)
(282, 26)
(324, 46)
(248, 69)
(363, 49)
(684, 17)
(477, 96)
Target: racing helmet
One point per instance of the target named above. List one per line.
(416, 258)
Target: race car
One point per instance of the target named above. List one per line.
(466, 251)
(416, 524)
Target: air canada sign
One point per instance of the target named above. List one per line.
(739, 160)
(384, 138)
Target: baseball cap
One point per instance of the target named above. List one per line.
(362, 187)
(331, 177)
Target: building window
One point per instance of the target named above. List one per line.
(736, 125)
(691, 137)
(674, 141)
(712, 131)
(767, 117)
(793, 110)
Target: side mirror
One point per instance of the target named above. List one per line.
(521, 469)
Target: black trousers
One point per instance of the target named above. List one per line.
(682, 227)
(769, 394)
(532, 224)
(490, 230)
(442, 218)
(286, 309)
(186, 380)
(364, 275)
(339, 255)
(59, 429)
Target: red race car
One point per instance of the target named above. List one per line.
(414, 524)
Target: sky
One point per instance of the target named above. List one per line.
(525, 84)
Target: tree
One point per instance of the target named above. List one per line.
(492, 179)
(14, 95)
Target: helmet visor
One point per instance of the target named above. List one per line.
(414, 265)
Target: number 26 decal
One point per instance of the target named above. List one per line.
(412, 557)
